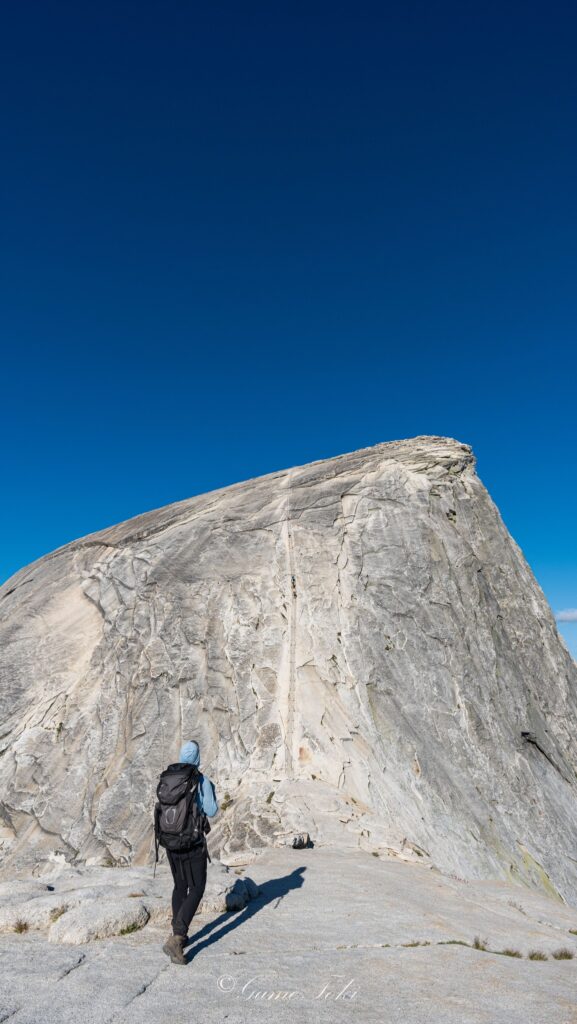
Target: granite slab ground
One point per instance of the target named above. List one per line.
(331, 935)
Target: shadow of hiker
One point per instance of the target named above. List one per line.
(274, 889)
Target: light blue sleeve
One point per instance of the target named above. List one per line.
(207, 797)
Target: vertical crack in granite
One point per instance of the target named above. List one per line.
(286, 673)
(292, 628)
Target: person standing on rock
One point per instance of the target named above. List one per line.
(186, 799)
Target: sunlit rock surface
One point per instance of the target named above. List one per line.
(358, 645)
(334, 936)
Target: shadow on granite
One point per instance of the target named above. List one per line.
(274, 889)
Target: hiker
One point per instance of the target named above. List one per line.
(186, 799)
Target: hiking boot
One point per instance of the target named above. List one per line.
(173, 947)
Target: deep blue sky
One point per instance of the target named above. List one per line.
(242, 236)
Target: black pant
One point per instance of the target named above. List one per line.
(189, 875)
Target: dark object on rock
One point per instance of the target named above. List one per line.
(530, 737)
(301, 841)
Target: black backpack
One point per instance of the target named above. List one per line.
(179, 823)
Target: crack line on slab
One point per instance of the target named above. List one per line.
(143, 988)
(77, 963)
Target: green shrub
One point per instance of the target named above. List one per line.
(562, 954)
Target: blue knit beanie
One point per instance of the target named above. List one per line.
(189, 753)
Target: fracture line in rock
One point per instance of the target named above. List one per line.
(292, 649)
(289, 696)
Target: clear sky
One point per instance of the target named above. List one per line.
(238, 237)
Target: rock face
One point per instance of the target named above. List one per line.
(358, 645)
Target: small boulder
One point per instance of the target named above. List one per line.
(91, 921)
(252, 887)
(237, 897)
(37, 912)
